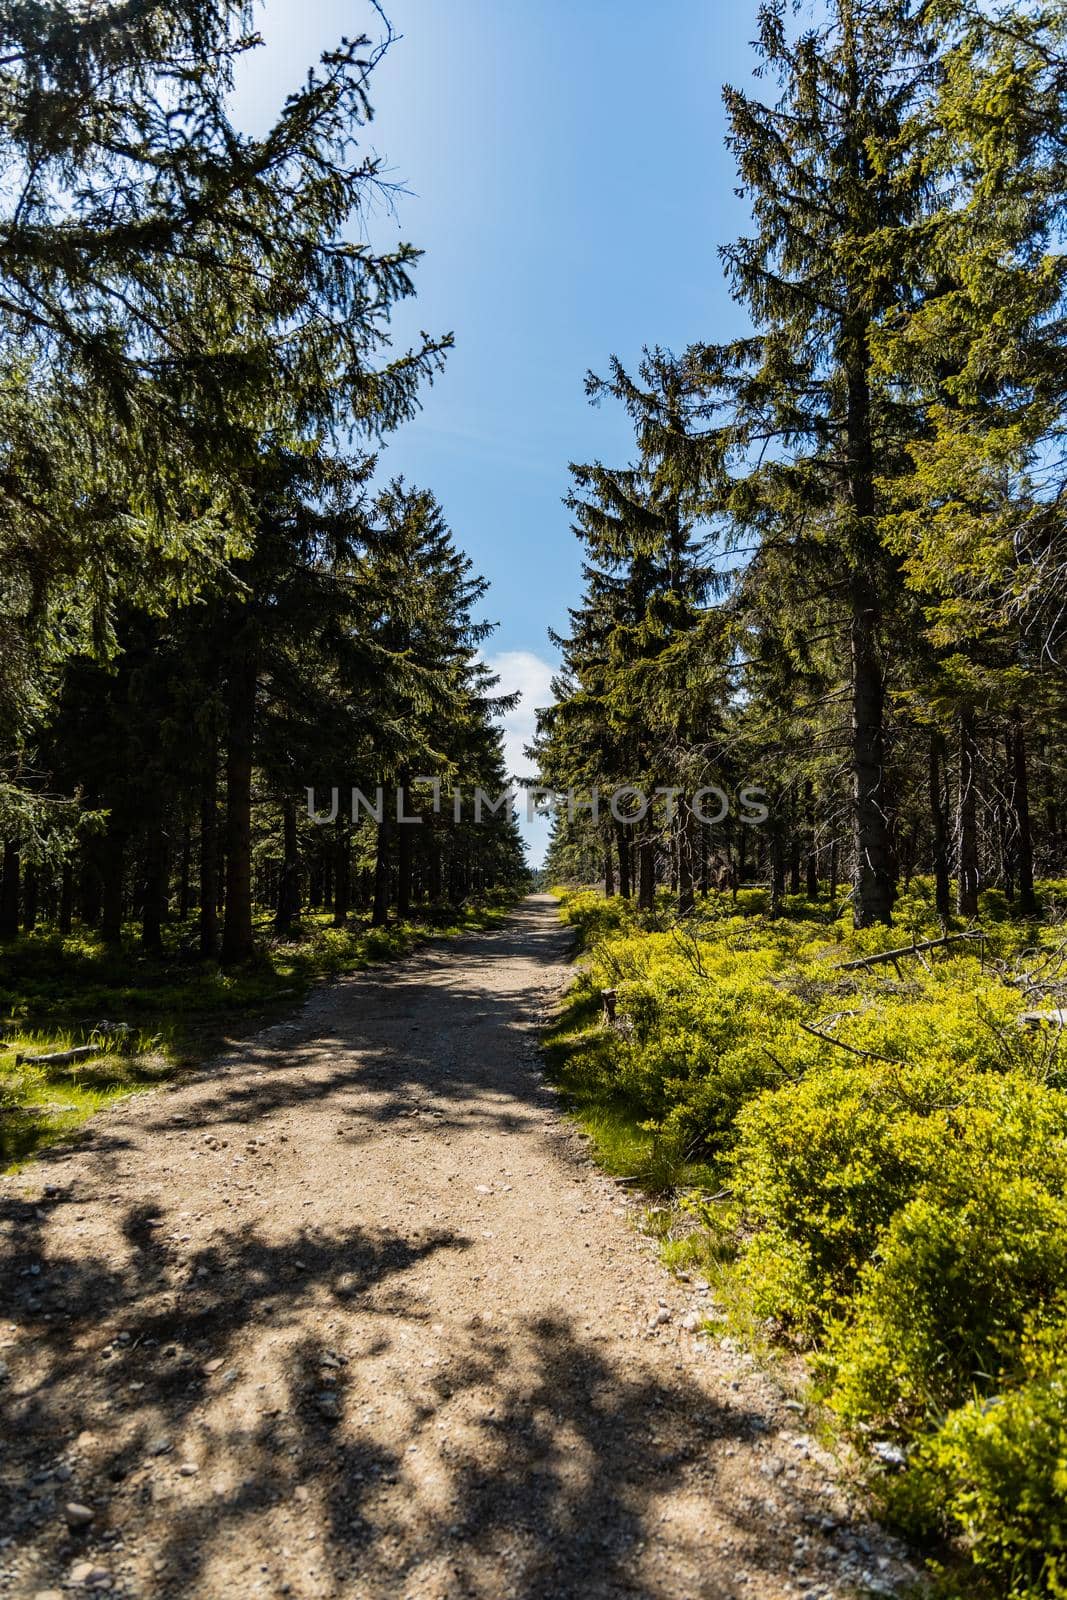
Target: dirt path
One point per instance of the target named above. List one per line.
(355, 1317)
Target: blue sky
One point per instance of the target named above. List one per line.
(569, 184)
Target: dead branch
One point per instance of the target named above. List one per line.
(908, 950)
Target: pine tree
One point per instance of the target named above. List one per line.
(173, 293)
(800, 430)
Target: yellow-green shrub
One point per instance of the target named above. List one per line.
(898, 1152)
(995, 1472)
(978, 1254)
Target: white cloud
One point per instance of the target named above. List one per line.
(523, 672)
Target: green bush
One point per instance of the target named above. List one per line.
(942, 1307)
(995, 1473)
(896, 1146)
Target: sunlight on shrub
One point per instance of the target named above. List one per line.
(892, 1146)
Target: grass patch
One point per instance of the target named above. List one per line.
(180, 1010)
(580, 1053)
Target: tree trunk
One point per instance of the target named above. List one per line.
(609, 870)
(687, 838)
(209, 862)
(967, 821)
(939, 821)
(288, 908)
(66, 899)
(811, 855)
(184, 874)
(1024, 844)
(703, 864)
(9, 892)
(435, 867)
(380, 909)
(154, 887)
(623, 846)
(342, 886)
(30, 885)
(112, 867)
(646, 875)
(777, 865)
(874, 875)
(90, 892)
(794, 842)
(238, 942)
(873, 899)
(404, 851)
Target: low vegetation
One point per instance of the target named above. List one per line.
(156, 1017)
(876, 1155)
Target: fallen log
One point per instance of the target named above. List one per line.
(908, 950)
(1039, 1019)
(59, 1058)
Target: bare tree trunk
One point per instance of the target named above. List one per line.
(777, 865)
(66, 899)
(30, 883)
(609, 869)
(967, 821)
(184, 874)
(342, 884)
(939, 822)
(405, 844)
(380, 909)
(112, 868)
(646, 874)
(238, 943)
(90, 891)
(686, 837)
(874, 889)
(209, 860)
(289, 879)
(811, 854)
(436, 884)
(1024, 837)
(623, 846)
(10, 885)
(153, 890)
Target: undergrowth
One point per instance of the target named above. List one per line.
(873, 1163)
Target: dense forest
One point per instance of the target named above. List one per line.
(807, 743)
(211, 600)
(835, 566)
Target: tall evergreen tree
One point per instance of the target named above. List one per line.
(800, 428)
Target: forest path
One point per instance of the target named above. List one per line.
(353, 1315)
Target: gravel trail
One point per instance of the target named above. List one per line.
(353, 1315)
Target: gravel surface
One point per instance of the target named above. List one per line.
(353, 1315)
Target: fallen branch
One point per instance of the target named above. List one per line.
(871, 1055)
(907, 950)
(59, 1058)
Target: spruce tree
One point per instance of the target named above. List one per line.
(799, 427)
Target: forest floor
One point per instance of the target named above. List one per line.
(352, 1314)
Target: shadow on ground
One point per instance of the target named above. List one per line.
(523, 1463)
